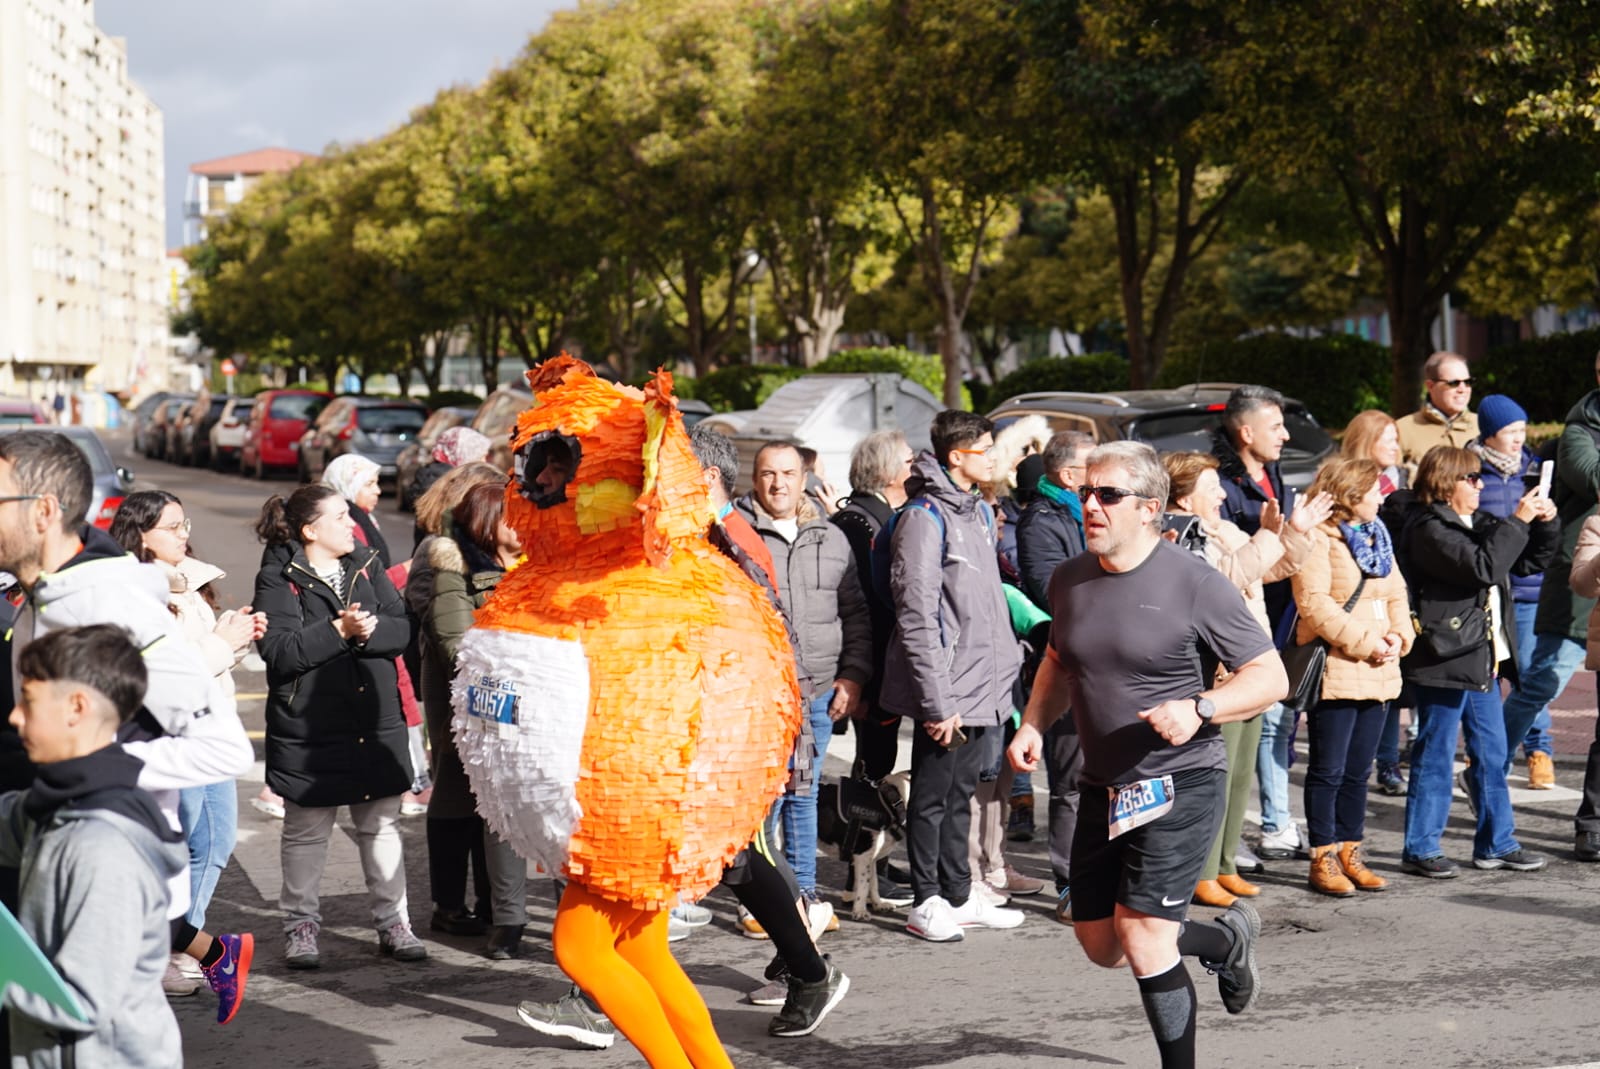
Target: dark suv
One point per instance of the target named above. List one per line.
(370, 426)
(1176, 420)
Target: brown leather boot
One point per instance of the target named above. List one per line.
(1355, 868)
(1210, 893)
(1235, 884)
(1326, 876)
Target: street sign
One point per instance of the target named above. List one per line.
(228, 368)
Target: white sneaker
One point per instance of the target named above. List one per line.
(989, 893)
(1280, 844)
(979, 912)
(819, 918)
(934, 921)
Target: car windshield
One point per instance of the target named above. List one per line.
(1189, 431)
(390, 420)
(294, 406)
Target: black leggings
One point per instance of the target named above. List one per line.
(766, 887)
(452, 843)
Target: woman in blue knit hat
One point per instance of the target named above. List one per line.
(1510, 468)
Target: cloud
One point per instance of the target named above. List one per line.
(230, 77)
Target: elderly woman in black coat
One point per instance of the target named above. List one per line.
(336, 735)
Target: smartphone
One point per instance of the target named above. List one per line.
(957, 739)
(1547, 473)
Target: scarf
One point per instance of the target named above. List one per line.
(1370, 546)
(105, 779)
(460, 445)
(1448, 421)
(1507, 464)
(1065, 498)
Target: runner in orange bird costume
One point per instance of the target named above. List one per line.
(625, 703)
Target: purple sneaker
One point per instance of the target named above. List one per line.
(228, 976)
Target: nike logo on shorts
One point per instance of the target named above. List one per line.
(1174, 902)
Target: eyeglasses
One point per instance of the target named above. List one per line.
(1473, 477)
(1453, 383)
(1110, 496)
(22, 497)
(182, 527)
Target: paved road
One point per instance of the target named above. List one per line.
(1492, 969)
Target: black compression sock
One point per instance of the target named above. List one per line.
(214, 955)
(1207, 940)
(1168, 999)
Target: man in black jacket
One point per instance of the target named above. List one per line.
(1050, 533)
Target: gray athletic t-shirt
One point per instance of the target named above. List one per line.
(1132, 640)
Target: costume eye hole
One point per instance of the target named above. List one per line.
(545, 465)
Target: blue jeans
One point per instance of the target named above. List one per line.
(1555, 658)
(1389, 737)
(1343, 736)
(1538, 736)
(1441, 715)
(1272, 766)
(798, 812)
(210, 819)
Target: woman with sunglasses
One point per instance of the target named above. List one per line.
(1458, 560)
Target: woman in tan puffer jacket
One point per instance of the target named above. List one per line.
(1365, 644)
(1275, 552)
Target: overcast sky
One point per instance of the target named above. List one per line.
(232, 76)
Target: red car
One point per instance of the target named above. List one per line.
(279, 418)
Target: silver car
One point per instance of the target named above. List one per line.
(111, 483)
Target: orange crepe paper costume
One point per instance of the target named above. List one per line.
(626, 702)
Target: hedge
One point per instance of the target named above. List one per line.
(1090, 373)
(924, 369)
(1335, 375)
(1546, 376)
(746, 386)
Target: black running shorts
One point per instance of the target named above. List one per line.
(1154, 868)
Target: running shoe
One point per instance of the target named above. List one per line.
(228, 976)
(570, 1017)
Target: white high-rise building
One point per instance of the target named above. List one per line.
(82, 259)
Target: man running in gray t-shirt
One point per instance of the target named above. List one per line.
(1139, 629)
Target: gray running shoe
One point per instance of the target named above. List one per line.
(808, 1004)
(1238, 978)
(401, 943)
(692, 915)
(570, 1017)
(300, 946)
(1519, 860)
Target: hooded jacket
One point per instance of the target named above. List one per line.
(820, 593)
(1047, 536)
(94, 876)
(1577, 486)
(861, 518)
(336, 734)
(1501, 495)
(953, 651)
(198, 620)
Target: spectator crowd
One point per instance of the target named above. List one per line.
(1436, 580)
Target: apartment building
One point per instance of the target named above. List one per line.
(217, 185)
(82, 306)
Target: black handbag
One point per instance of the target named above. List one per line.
(1305, 664)
(1457, 635)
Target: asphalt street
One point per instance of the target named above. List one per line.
(1494, 969)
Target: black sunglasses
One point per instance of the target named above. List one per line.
(1110, 496)
(1473, 477)
(1453, 383)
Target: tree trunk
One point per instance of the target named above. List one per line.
(489, 350)
(1412, 307)
(1131, 267)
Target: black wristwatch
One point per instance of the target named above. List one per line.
(1204, 709)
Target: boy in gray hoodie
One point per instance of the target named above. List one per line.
(95, 855)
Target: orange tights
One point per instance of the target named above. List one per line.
(619, 956)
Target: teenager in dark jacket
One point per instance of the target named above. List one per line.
(1510, 468)
(1458, 560)
(336, 735)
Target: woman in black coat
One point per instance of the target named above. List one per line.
(1458, 560)
(336, 734)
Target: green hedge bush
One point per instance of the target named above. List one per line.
(1336, 375)
(452, 399)
(924, 369)
(742, 386)
(1090, 373)
(1546, 376)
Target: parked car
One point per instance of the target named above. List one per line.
(177, 418)
(419, 451)
(497, 418)
(279, 418)
(227, 434)
(194, 431)
(142, 412)
(368, 426)
(1175, 420)
(23, 411)
(162, 417)
(111, 483)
